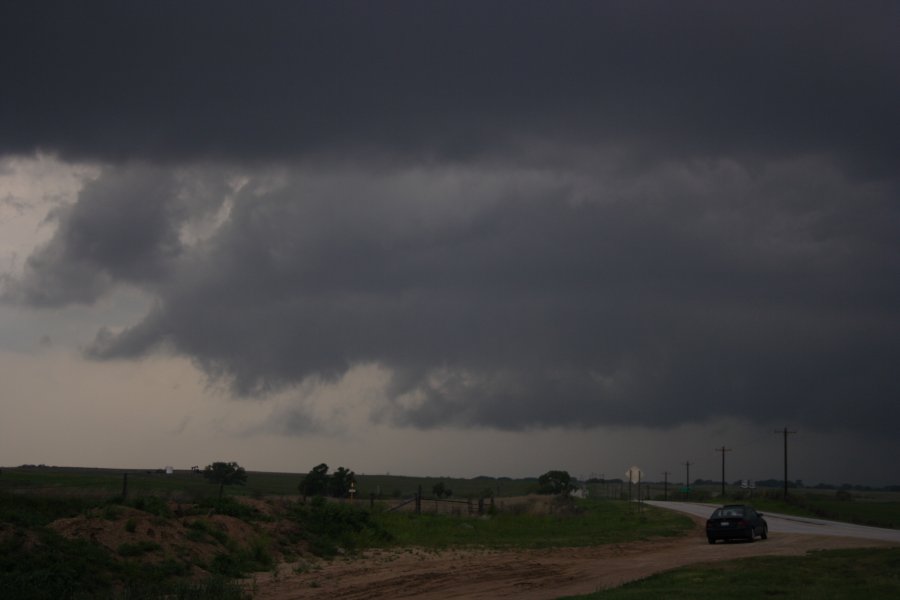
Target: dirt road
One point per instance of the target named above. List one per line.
(526, 575)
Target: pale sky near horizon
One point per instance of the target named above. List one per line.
(452, 238)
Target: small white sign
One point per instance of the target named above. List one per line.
(634, 474)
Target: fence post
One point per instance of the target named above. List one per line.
(372, 500)
(124, 485)
(419, 501)
(481, 505)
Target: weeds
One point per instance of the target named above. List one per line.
(137, 549)
(331, 528)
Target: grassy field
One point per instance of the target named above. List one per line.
(208, 543)
(832, 574)
(869, 509)
(571, 524)
(181, 484)
(36, 561)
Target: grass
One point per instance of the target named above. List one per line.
(820, 575)
(36, 563)
(185, 485)
(848, 509)
(582, 523)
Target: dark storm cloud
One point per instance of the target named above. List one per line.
(515, 299)
(125, 227)
(173, 80)
(528, 214)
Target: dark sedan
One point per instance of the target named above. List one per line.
(736, 522)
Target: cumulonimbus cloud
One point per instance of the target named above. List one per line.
(516, 298)
(563, 214)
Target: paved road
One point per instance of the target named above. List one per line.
(779, 523)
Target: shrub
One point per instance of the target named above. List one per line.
(231, 507)
(137, 549)
(226, 564)
(153, 505)
(54, 567)
(332, 526)
(203, 528)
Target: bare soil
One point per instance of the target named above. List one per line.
(525, 574)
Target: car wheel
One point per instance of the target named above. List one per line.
(711, 540)
(765, 533)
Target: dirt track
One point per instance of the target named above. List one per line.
(533, 574)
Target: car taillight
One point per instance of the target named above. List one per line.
(743, 523)
(709, 524)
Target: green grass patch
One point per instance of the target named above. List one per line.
(26, 510)
(187, 486)
(54, 567)
(583, 523)
(846, 508)
(823, 575)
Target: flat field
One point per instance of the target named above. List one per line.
(68, 532)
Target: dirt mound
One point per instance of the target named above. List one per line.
(194, 540)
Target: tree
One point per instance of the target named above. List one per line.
(341, 481)
(441, 491)
(315, 483)
(555, 482)
(225, 473)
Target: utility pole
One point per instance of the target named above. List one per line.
(665, 485)
(687, 478)
(723, 450)
(786, 433)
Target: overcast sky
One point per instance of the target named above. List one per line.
(452, 238)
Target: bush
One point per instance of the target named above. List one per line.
(227, 565)
(55, 567)
(231, 507)
(204, 528)
(330, 527)
(137, 549)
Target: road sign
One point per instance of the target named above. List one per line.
(633, 474)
